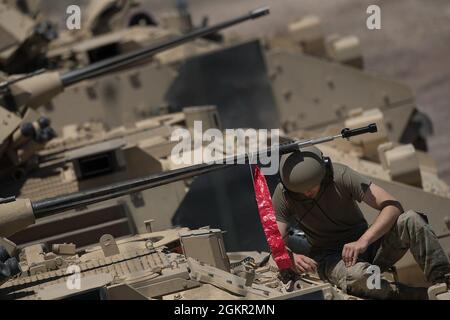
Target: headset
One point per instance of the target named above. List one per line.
(329, 171)
(329, 175)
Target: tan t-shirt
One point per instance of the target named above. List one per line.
(333, 218)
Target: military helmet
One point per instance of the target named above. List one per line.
(302, 170)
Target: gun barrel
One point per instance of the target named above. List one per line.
(114, 63)
(71, 201)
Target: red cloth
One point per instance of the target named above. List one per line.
(268, 221)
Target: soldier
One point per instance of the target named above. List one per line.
(321, 197)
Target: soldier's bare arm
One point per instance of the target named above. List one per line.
(302, 263)
(390, 209)
(283, 228)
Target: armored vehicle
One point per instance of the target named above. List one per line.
(173, 264)
(177, 264)
(22, 93)
(299, 67)
(291, 81)
(89, 155)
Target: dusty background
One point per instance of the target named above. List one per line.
(413, 45)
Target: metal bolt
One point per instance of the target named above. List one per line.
(148, 225)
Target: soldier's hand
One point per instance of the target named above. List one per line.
(352, 250)
(304, 264)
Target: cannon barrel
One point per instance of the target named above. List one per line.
(83, 198)
(114, 63)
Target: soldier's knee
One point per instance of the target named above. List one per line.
(358, 271)
(365, 280)
(349, 276)
(412, 219)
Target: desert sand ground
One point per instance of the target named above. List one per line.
(413, 45)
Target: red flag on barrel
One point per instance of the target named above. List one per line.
(268, 221)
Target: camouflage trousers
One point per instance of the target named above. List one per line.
(411, 232)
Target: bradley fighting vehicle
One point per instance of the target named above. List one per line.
(300, 68)
(176, 264)
(20, 93)
(88, 156)
(298, 79)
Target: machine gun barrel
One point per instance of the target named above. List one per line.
(114, 63)
(71, 201)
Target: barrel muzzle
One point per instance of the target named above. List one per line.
(255, 14)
